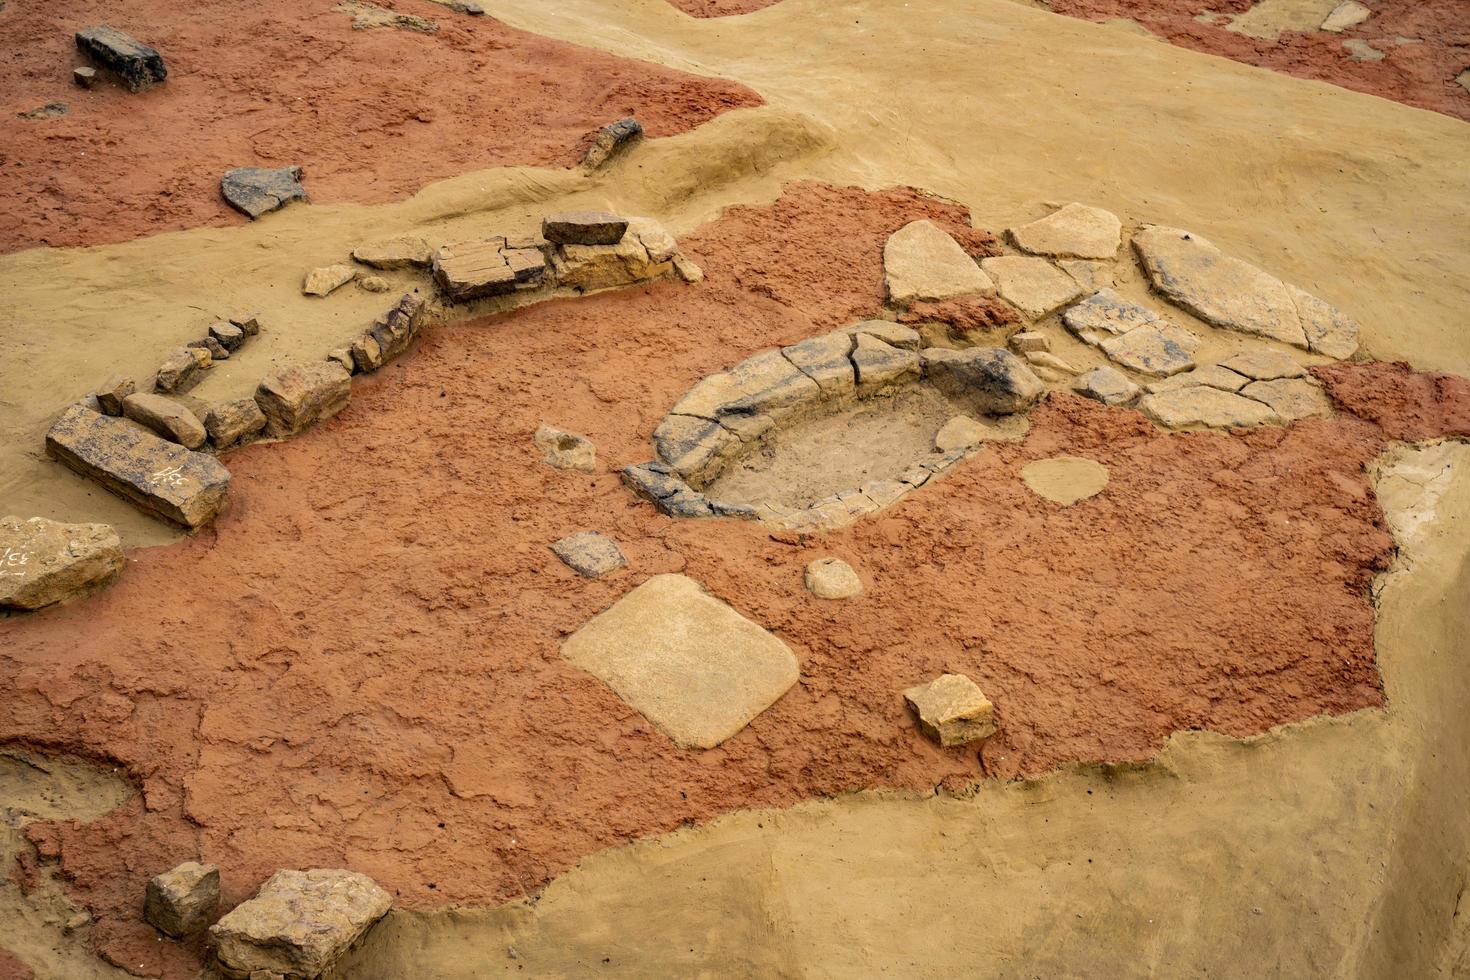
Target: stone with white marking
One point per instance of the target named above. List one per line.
(43, 562)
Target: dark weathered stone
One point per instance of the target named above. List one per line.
(48, 111)
(392, 333)
(217, 351)
(166, 417)
(180, 902)
(584, 228)
(229, 336)
(653, 481)
(178, 372)
(611, 140)
(993, 379)
(232, 423)
(135, 64)
(85, 77)
(303, 395)
(159, 476)
(248, 322)
(256, 190)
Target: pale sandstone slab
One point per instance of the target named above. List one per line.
(471, 270)
(565, 450)
(179, 484)
(1203, 405)
(1065, 479)
(693, 446)
(1090, 274)
(826, 360)
(922, 262)
(1210, 375)
(302, 395)
(992, 379)
(1236, 295)
(298, 924)
(1075, 231)
(694, 667)
(961, 432)
(44, 562)
(181, 901)
(166, 418)
(832, 578)
(880, 366)
(1148, 350)
(1034, 286)
(952, 710)
(1107, 385)
(1290, 398)
(328, 278)
(1106, 313)
(398, 252)
(892, 334)
(1265, 365)
(590, 553)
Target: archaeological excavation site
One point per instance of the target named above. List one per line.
(735, 489)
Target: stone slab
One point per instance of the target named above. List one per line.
(693, 666)
(584, 228)
(921, 261)
(255, 191)
(43, 562)
(1106, 313)
(302, 395)
(327, 279)
(611, 140)
(590, 553)
(1202, 405)
(398, 252)
(1032, 285)
(1107, 385)
(159, 476)
(1264, 365)
(1148, 350)
(1075, 231)
(136, 65)
(1290, 398)
(826, 359)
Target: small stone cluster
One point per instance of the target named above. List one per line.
(730, 413)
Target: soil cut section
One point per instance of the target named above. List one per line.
(370, 114)
(358, 664)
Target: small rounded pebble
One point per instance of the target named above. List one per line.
(374, 284)
(832, 578)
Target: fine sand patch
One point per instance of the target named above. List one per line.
(1065, 479)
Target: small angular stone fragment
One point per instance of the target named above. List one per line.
(298, 925)
(566, 450)
(1264, 365)
(323, 280)
(1075, 231)
(1107, 385)
(1029, 341)
(43, 562)
(1148, 350)
(832, 578)
(952, 710)
(255, 191)
(302, 395)
(248, 322)
(178, 372)
(880, 367)
(399, 252)
(922, 262)
(166, 417)
(85, 77)
(366, 353)
(135, 64)
(229, 336)
(215, 349)
(343, 356)
(374, 284)
(611, 140)
(660, 245)
(1290, 398)
(181, 902)
(994, 380)
(1203, 405)
(693, 666)
(687, 270)
(960, 432)
(584, 228)
(1347, 14)
(111, 393)
(590, 553)
(233, 423)
(159, 476)
(893, 334)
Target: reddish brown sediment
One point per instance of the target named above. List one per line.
(721, 8)
(358, 664)
(371, 115)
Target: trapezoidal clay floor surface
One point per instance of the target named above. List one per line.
(370, 114)
(358, 664)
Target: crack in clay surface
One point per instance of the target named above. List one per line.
(265, 735)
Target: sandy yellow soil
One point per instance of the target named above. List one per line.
(1335, 848)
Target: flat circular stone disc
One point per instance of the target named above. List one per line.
(1065, 479)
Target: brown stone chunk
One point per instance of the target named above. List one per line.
(166, 417)
(590, 553)
(303, 395)
(44, 562)
(180, 902)
(584, 228)
(229, 336)
(178, 372)
(233, 423)
(159, 476)
(111, 393)
(952, 710)
(400, 252)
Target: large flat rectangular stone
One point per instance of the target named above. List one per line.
(689, 663)
(159, 476)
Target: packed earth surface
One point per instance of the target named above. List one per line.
(762, 539)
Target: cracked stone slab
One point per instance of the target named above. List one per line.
(1106, 313)
(1032, 285)
(1235, 295)
(692, 446)
(1107, 385)
(159, 476)
(1148, 350)
(880, 366)
(688, 662)
(1210, 375)
(1266, 365)
(1290, 398)
(892, 334)
(1076, 231)
(255, 191)
(763, 389)
(921, 261)
(398, 252)
(591, 554)
(44, 562)
(471, 270)
(826, 360)
(1203, 405)
(298, 924)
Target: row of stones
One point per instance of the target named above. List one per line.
(728, 414)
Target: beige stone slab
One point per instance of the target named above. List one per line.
(693, 666)
(1032, 285)
(1076, 231)
(922, 262)
(1203, 405)
(1290, 398)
